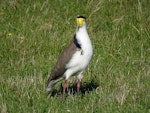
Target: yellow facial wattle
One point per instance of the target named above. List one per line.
(80, 21)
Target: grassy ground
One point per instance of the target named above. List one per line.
(32, 34)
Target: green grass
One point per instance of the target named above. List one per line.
(32, 34)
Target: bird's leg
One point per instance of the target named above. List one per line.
(64, 89)
(78, 86)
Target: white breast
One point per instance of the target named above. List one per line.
(80, 61)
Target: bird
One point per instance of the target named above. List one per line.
(74, 59)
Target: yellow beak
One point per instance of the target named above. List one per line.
(80, 21)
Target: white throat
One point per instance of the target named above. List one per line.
(83, 38)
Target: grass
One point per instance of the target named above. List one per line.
(32, 34)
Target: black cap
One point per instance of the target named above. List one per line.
(81, 17)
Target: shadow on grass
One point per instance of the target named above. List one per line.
(85, 88)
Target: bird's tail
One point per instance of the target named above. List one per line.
(49, 86)
(51, 83)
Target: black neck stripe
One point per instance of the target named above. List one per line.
(76, 42)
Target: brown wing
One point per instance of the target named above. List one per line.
(63, 59)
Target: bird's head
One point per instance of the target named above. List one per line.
(80, 21)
